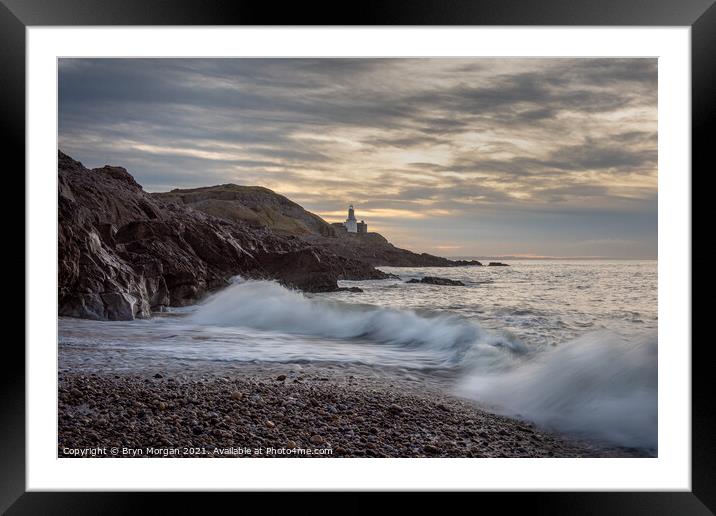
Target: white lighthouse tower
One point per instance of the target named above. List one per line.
(351, 223)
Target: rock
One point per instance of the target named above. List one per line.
(124, 253)
(281, 377)
(430, 449)
(197, 430)
(395, 409)
(317, 439)
(314, 269)
(236, 395)
(291, 445)
(158, 375)
(351, 289)
(270, 424)
(162, 406)
(463, 263)
(122, 306)
(433, 280)
(497, 264)
(86, 306)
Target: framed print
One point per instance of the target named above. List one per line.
(423, 249)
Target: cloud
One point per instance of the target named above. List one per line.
(410, 141)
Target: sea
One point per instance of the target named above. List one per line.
(568, 345)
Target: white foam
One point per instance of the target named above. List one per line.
(598, 386)
(266, 305)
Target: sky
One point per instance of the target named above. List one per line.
(457, 157)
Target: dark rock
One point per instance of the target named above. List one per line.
(395, 409)
(432, 280)
(313, 269)
(259, 207)
(281, 377)
(497, 264)
(430, 449)
(158, 375)
(350, 289)
(124, 253)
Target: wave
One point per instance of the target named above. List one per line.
(598, 386)
(266, 305)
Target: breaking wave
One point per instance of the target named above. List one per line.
(266, 305)
(598, 386)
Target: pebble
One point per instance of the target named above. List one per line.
(281, 377)
(106, 410)
(158, 376)
(432, 450)
(395, 409)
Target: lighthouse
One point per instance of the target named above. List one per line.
(351, 223)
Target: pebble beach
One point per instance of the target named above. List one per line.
(280, 411)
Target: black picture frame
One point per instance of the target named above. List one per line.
(16, 15)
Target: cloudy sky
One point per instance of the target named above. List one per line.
(458, 157)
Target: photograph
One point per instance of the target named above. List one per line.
(354, 257)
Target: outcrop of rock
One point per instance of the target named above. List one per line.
(260, 207)
(123, 253)
(433, 280)
(375, 249)
(497, 264)
(254, 206)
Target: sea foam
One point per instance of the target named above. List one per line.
(598, 386)
(266, 305)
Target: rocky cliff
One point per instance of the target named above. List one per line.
(123, 253)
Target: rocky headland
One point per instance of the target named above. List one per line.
(124, 253)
